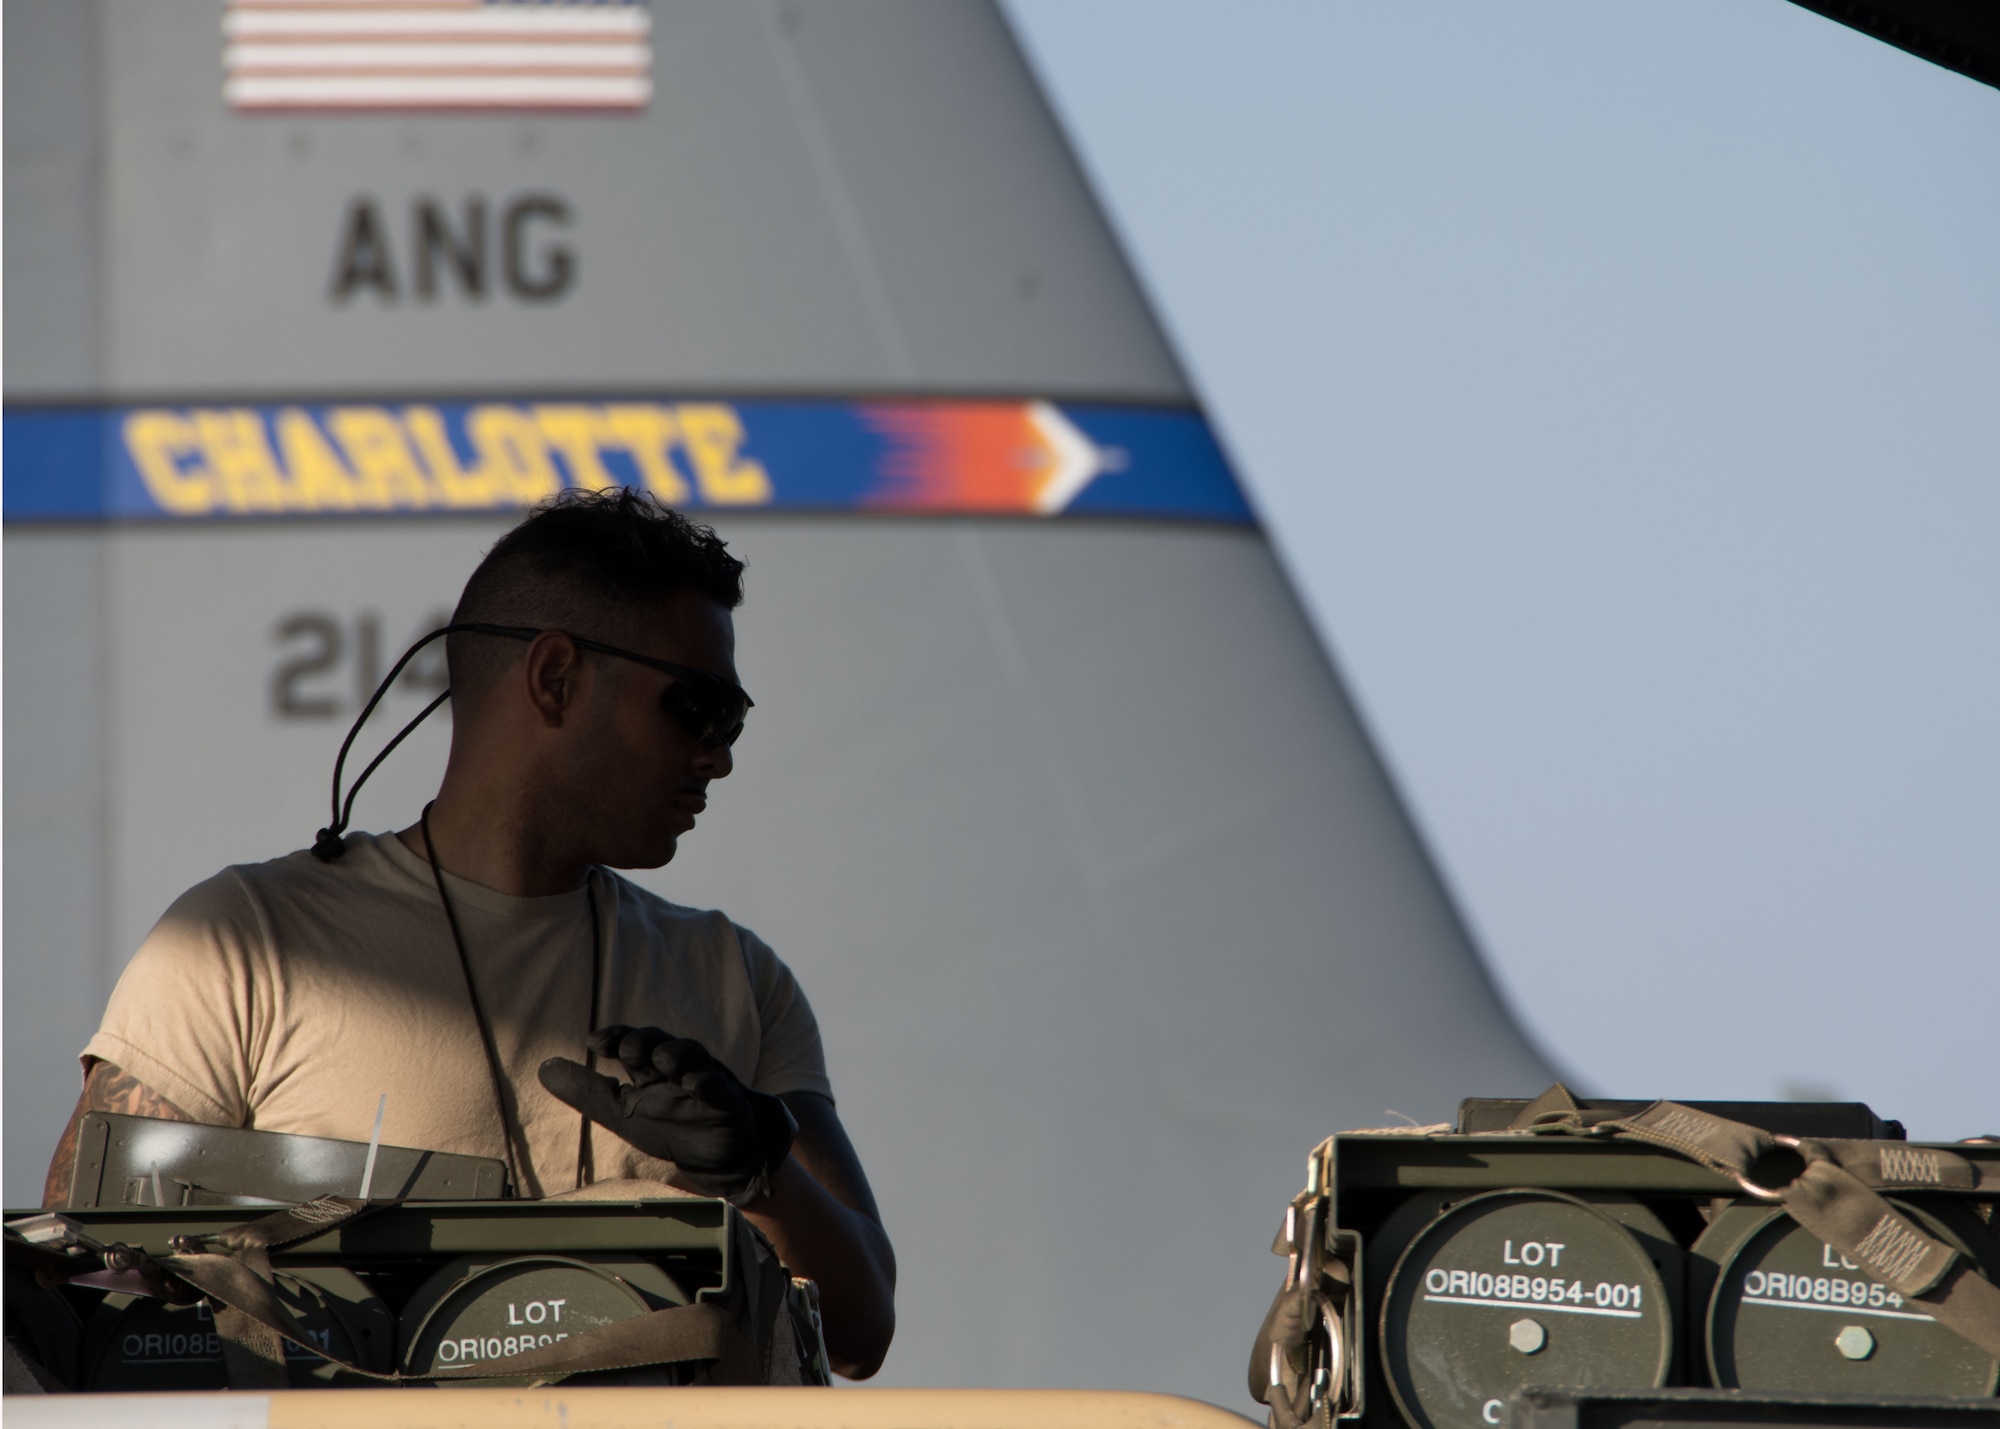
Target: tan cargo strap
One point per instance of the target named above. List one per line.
(1836, 1197)
(1729, 1146)
(253, 1323)
(288, 1226)
(253, 1349)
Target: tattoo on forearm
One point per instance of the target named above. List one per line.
(116, 1090)
(111, 1089)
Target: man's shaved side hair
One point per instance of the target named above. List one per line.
(586, 562)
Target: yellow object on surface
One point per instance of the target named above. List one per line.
(628, 1409)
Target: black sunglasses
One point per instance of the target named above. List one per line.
(707, 706)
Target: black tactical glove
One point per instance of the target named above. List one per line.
(682, 1106)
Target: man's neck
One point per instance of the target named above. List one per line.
(506, 850)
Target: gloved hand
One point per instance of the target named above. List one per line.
(683, 1106)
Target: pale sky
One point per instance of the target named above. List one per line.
(1621, 384)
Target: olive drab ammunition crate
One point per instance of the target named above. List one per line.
(1435, 1275)
(342, 1292)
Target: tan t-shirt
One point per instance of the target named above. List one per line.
(290, 995)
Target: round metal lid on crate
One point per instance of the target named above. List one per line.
(1789, 1312)
(476, 1310)
(135, 1342)
(1522, 1287)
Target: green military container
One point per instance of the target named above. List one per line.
(1786, 1311)
(414, 1292)
(1436, 1275)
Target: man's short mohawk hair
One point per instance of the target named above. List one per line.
(582, 561)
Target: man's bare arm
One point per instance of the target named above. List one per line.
(821, 1217)
(105, 1088)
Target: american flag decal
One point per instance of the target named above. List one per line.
(386, 55)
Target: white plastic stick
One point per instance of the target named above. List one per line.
(158, 1199)
(374, 1145)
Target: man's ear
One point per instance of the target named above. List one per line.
(552, 670)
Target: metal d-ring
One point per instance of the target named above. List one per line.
(1765, 1193)
(1329, 1386)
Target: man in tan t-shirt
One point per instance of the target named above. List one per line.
(477, 966)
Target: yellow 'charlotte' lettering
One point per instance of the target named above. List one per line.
(648, 431)
(157, 441)
(459, 486)
(511, 453)
(577, 433)
(239, 458)
(386, 473)
(319, 480)
(712, 434)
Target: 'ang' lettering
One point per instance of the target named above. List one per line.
(446, 251)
